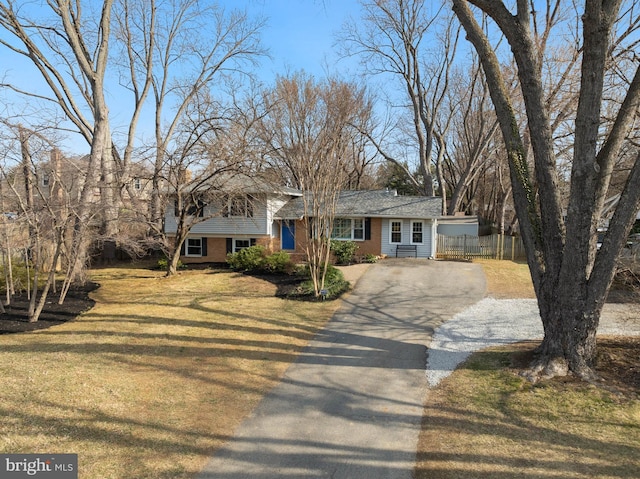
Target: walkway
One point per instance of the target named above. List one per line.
(351, 406)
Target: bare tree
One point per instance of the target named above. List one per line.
(470, 142)
(31, 177)
(71, 53)
(392, 41)
(207, 167)
(570, 277)
(176, 51)
(307, 132)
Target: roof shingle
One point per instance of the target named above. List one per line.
(373, 203)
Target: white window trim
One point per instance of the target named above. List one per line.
(186, 248)
(422, 232)
(353, 229)
(352, 237)
(234, 248)
(245, 203)
(391, 231)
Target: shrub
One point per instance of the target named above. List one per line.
(370, 258)
(247, 259)
(256, 260)
(278, 262)
(163, 264)
(334, 283)
(344, 251)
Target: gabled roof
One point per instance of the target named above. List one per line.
(373, 204)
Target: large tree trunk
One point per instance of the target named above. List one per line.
(570, 287)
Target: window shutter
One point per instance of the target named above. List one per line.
(176, 210)
(229, 245)
(182, 249)
(204, 246)
(252, 242)
(367, 228)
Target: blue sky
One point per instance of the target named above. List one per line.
(300, 33)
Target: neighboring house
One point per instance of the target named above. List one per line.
(378, 221)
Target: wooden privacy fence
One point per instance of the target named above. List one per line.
(488, 247)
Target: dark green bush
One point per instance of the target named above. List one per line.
(247, 259)
(344, 251)
(255, 259)
(278, 262)
(334, 283)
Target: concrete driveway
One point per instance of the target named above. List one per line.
(351, 406)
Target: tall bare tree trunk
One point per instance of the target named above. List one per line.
(570, 286)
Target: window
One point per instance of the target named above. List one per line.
(416, 232)
(194, 247)
(396, 232)
(358, 229)
(192, 209)
(239, 206)
(348, 229)
(137, 184)
(341, 229)
(45, 179)
(239, 244)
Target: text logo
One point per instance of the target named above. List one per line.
(41, 466)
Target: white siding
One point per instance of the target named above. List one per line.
(273, 205)
(258, 225)
(424, 250)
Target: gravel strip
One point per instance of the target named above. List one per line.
(492, 322)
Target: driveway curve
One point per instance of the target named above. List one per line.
(351, 406)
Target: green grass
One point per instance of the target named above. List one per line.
(156, 376)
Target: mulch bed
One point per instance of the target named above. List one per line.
(77, 301)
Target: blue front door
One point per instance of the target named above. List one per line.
(288, 234)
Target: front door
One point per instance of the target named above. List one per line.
(288, 234)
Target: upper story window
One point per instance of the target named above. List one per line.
(45, 179)
(191, 209)
(241, 205)
(137, 184)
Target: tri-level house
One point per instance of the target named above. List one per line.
(379, 221)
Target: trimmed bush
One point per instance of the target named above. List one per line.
(247, 259)
(278, 262)
(256, 260)
(344, 251)
(163, 264)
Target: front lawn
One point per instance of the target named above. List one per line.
(487, 422)
(156, 376)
